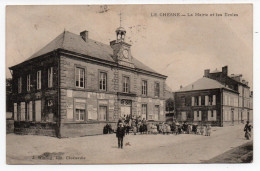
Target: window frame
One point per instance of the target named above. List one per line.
(99, 80)
(39, 80)
(128, 83)
(50, 77)
(20, 85)
(146, 107)
(146, 88)
(28, 82)
(157, 89)
(84, 77)
(107, 115)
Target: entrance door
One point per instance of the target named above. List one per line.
(103, 113)
(126, 108)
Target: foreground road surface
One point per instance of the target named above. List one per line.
(185, 148)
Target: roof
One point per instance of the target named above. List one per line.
(73, 42)
(203, 83)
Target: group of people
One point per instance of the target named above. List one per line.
(143, 127)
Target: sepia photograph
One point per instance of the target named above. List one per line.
(129, 84)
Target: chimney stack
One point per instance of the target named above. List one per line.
(225, 70)
(180, 86)
(84, 35)
(206, 72)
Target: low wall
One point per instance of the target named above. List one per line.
(34, 128)
(83, 129)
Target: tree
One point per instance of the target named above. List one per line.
(8, 83)
(169, 104)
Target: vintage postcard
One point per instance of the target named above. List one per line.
(129, 84)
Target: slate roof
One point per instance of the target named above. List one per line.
(203, 83)
(73, 42)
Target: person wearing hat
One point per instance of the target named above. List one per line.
(120, 133)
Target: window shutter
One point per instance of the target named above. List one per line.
(199, 100)
(38, 110)
(214, 99)
(192, 101)
(200, 116)
(206, 100)
(15, 111)
(195, 115)
(22, 111)
(209, 115)
(30, 111)
(215, 115)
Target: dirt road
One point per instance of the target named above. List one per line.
(183, 148)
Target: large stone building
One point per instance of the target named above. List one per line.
(216, 98)
(74, 86)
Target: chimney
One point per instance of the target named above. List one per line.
(192, 86)
(180, 86)
(225, 70)
(206, 72)
(84, 35)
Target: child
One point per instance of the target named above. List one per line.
(134, 130)
(202, 130)
(209, 130)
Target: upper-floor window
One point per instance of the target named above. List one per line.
(157, 89)
(28, 82)
(144, 87)
(39, 80)
(196, 103)
(126, 84)
(80, 77)
(103, 81)
(210, 99)
(50, 77)
(19, 84)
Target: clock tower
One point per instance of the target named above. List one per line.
(122, 50)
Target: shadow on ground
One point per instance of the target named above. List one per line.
(240, 154)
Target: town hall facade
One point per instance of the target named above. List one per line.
(74, 86)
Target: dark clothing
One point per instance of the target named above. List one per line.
(247, 128)
(120, 142)
(120, 132)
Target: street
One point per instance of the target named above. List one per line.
(184, 148)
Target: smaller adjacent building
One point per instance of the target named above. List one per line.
(207, 101)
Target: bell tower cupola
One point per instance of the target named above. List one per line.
(121, 49)
(120, 34)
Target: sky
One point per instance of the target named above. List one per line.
(181, 47)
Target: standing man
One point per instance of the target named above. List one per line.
(120, 133)
(247, 130)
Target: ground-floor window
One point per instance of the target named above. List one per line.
(15, 111)
(212, 115)
(80, 113)
(156, 112)
(38, 110)
(183, 116)
(144, 111)
(197, 115)
(103, 113)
